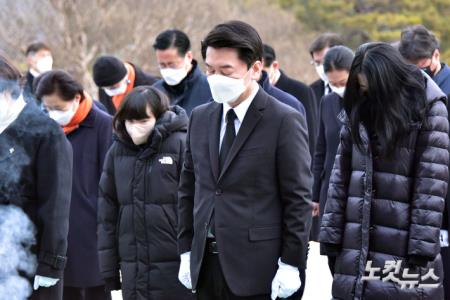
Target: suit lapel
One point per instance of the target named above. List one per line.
(215, 119)
(251, 118)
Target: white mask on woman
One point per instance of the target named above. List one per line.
(338, 90)
(64, 117)
(139, 132)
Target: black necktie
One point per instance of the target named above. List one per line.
(228, 139)
(227, 142)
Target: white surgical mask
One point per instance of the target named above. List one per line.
(321, 72)
(139, 132)
(116, 91)
(44, 64)
(225, 89)
(338, 90)
(9, 109)
(173, 76)
(63, 117)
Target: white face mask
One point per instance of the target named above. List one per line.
(9, 109)
(63, 117)
(44, 64)
(321, 72)
(116, 91)
(225, 89)
(173, 76)
(139, 132)
(340, 91)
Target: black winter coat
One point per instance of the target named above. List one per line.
(141, 78)
(381, 209)
(36, 175)
(137, 214)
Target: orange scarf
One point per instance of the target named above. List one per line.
(83, 110)
(117, 100)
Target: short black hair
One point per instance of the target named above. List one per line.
(173, 38)
(338, 58)
(269, 55)
(59, 82)
(135, 104)
(36, 47)
(325, 40)
(417, 42)
(236, 35)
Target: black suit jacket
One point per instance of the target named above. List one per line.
(318, 87)
(261, 198)
(307, 97)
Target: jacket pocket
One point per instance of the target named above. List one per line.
(264, 233)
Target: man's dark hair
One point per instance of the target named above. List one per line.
(325, 40)
(236, 35)
(269, 55)
(338, 58)
(173, 38)
(59, 82)
(417, 42)
(135, 105)
(36, 47)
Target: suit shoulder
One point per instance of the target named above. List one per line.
(203, 108)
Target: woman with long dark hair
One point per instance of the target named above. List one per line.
(387, 188)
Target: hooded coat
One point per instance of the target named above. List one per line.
(137, 213)
(383, 210)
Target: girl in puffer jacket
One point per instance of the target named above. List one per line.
(386, 195)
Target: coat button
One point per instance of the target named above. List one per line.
(218, 192)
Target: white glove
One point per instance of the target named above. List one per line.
(444, 238)
(184, 275)
(44, 282)
(286, 281)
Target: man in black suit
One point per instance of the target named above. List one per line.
(245, 187)
(298, 89)
(39, 61)
(318, 49)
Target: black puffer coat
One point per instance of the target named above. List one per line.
(137, 213)
(381, 209)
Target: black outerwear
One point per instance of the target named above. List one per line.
(141, 78)
(306, 96)
(36, 175)
(389, 209)
(326, 147)
(90, 142)
(318, 88)
(261, 198)
(137, 212)
(191, 92)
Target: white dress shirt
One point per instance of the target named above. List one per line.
(240, 110)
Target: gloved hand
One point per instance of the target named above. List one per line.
(41, 281)
(444, 238)
(286, 281)
(184, 275)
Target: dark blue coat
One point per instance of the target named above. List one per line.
(281, 96)
(326, 147)
(90, 143)
(189, 93)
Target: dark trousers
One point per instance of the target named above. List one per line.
(445, 254)
(331, 264)
(91, 293)
(51, 293)
(212, 284)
